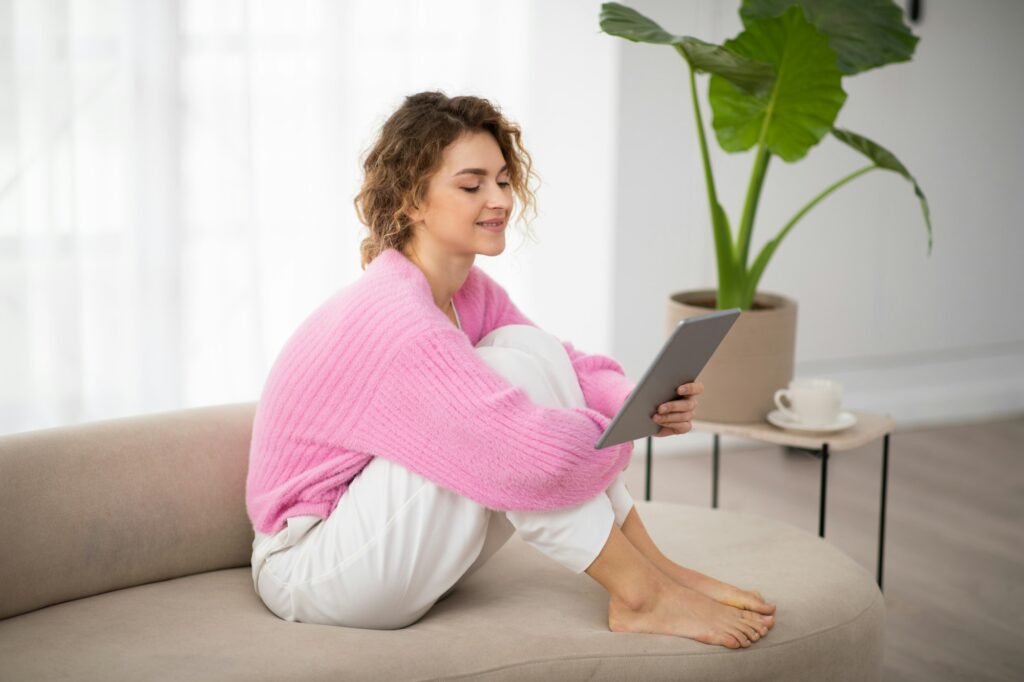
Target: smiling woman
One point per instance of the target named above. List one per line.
(414, 165)
(460, 202)
(403, 453)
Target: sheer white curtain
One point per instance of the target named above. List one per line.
(176, 180)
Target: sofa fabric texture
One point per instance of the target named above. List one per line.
(126, 552)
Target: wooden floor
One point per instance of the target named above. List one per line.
(954, 559)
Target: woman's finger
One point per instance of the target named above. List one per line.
(678, 405)
(674, 417)
(674, 430)
(694, 388)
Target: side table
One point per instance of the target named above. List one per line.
(869, 426)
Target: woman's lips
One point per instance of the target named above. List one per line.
(493, 225)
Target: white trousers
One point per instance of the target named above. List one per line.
(396, 542)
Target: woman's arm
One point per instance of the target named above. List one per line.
(441, 411)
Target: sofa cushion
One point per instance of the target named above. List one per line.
(520, 617)
(90, 508)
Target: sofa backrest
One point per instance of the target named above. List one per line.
(96, 507)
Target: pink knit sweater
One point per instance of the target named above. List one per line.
(379, 370)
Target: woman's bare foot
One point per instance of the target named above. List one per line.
(734, 596)
(672, 609)
(645, 599)
(725, 593)
(633, 528)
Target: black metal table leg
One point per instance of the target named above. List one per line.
(824, 485)
(714, 474)
(647, 489)
(881, 521)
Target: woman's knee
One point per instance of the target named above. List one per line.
(519, 335)
(531, 358)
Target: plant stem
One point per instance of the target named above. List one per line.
(761, 262)
(828, 190)
(757, 175)
(705, 157)
(727, 282)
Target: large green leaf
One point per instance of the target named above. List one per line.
(883, 158)
(804, 100)
(748, 75)
(864, 33)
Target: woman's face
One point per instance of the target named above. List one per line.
(469, 199)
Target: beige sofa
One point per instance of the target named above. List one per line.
(125, 556)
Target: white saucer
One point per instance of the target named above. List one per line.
(844, 421)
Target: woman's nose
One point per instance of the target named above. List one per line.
(497, 197)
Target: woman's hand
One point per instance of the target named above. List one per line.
(675, 416)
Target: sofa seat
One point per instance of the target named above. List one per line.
(520, 617)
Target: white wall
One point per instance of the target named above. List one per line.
(623, 220)
(564, 281)
(926, 339)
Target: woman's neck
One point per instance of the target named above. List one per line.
(445, 273)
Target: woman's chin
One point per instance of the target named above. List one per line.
(495, 247)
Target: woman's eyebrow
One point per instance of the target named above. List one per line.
(480, 171)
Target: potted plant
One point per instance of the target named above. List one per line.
(775, 88)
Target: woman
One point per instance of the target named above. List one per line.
(417, 418)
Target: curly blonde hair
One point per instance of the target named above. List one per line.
(409, 150)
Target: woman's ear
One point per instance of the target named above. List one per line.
(416, 210)
(415, 213)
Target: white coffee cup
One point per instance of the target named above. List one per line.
(812, 402)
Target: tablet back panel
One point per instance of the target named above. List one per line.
(687, 349)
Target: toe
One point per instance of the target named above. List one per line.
(728, 640)
(750, 631)
(757, 621)
(760, 605)
(742, 637)
(754, 621)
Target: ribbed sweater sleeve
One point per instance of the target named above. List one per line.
(441, 411)
(604, 382)
(377, 370)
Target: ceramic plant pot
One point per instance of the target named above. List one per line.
(754, 360)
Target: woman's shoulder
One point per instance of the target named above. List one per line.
(374, 305)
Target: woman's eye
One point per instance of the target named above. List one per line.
(503, 185)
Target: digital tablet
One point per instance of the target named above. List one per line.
(688, 348)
